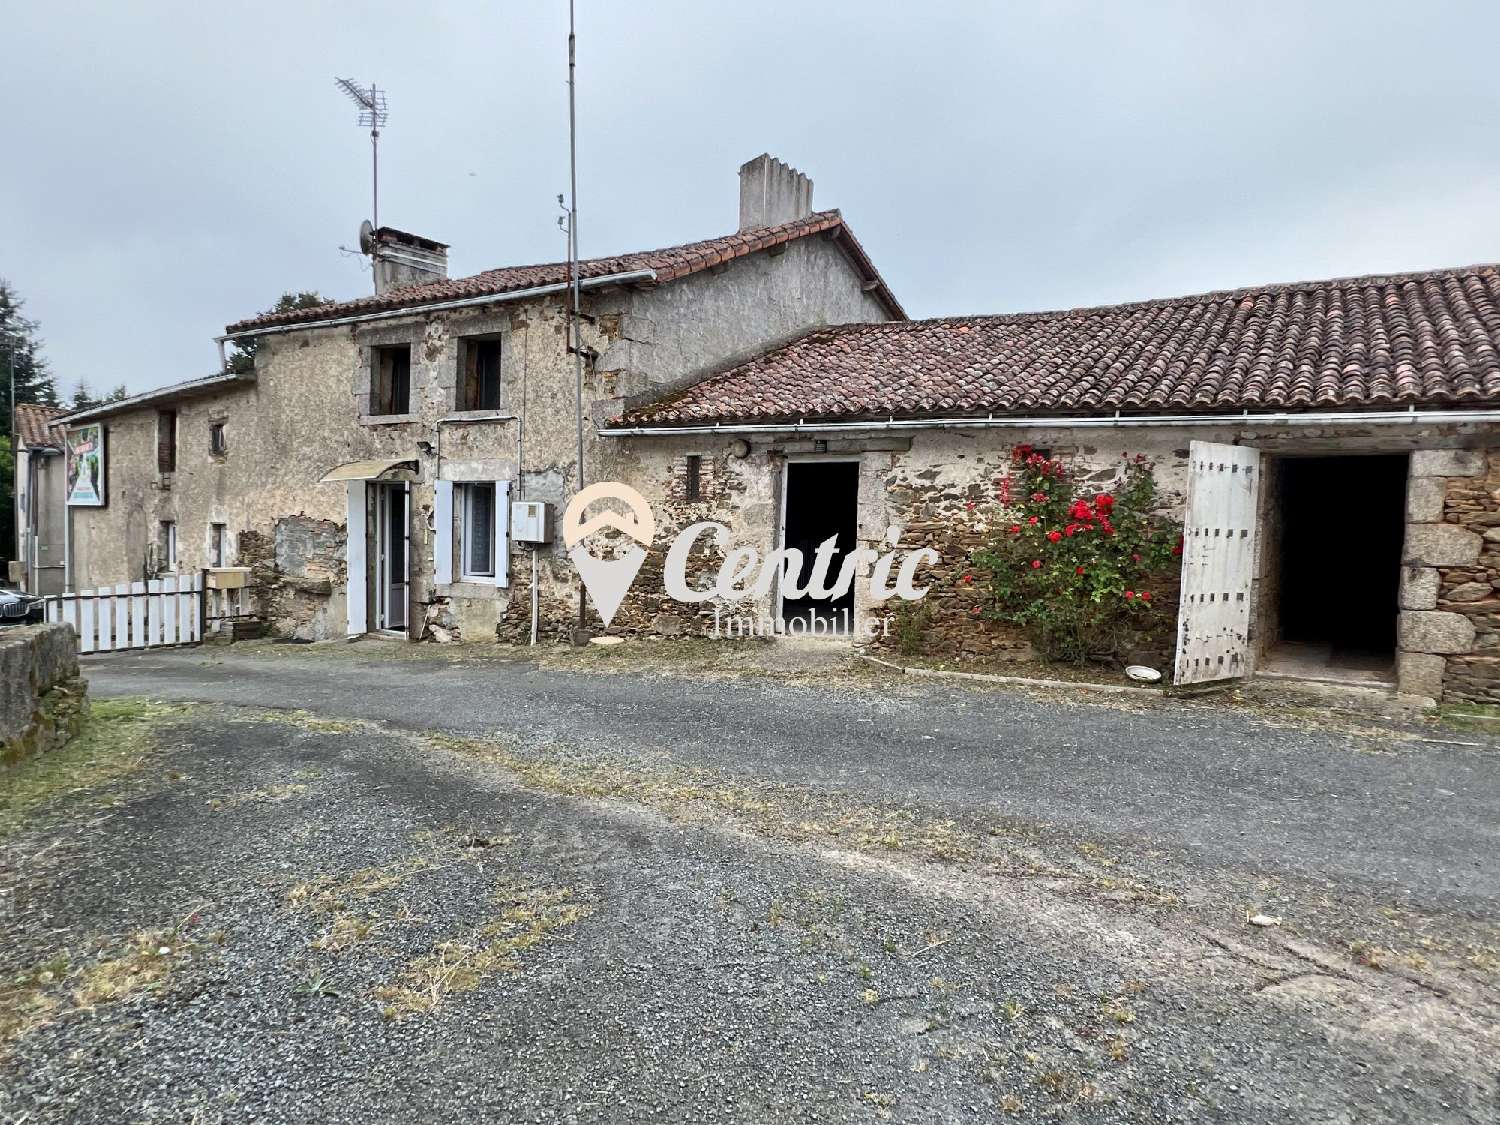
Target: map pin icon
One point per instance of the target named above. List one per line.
(608, 580)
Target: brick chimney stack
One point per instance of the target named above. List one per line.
(772, 193)
(403, 259)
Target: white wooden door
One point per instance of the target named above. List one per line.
(1218, 563)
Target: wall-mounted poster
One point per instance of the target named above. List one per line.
(86, 466)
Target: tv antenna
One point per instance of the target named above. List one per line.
(372, 115)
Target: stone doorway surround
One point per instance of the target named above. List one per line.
(1448, 629)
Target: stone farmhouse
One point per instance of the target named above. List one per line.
(1332, 446)
(1362, 412)
(365, 469)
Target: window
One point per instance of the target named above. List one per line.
(390, 371)
(480, 387)
(693, 484)
(216, 444)
(166, 441)
(218, 545)
(478, 530)
(167, 543)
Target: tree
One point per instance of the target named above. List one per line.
(83, 396)
(242, 359)
(21, 347)
(22, 366)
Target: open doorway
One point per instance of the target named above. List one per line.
(391, 556)
(1338, 524)
(821, 501)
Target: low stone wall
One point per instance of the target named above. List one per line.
(42, 700)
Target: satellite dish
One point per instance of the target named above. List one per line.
(367, 237)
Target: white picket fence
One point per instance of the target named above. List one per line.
(133, 615)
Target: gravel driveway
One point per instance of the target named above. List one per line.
(373, 883)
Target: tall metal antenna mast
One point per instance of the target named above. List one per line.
(372, 115)
(573, 259)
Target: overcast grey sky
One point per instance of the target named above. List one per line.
(169, 168)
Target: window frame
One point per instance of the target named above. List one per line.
(692, 479)
(166, 531)
(218, 545)
(467, 491)
(218, 441)
(384, 399)
(468, 394)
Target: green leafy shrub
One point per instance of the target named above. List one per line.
(1076, 571)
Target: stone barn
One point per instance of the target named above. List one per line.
(1333, 448)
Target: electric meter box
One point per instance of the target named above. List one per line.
(531, 521)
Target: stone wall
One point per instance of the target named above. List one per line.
(1449, 633)
(42, 699)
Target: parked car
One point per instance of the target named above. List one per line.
(19, 608)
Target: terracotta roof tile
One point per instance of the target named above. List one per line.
(669, 263)
(32, 420)
(1414, 339)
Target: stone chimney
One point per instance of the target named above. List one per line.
(403, 259)
(772, 193)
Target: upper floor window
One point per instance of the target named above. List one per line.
(218, 545)
(216, 443)
(693, 480)
(479, 387)
(390, 379)
(166, 441)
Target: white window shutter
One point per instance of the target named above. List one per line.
(502, 533)
(354, 560)
(442, 532)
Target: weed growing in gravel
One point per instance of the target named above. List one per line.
(146, 963)
(27, 999)
(252, 796)
(530, 916)
(115, 740)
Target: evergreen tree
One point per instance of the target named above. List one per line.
(21, 348)
(21, 366)
(242, 359)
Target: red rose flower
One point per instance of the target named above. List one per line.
(1036, 564)
(1135, 558)
(1079, 570)
(1129, 594)
(968, 578)
(1145, 595)
(1080, 510)
(975, 611)
(1104, 502)
(1032, 519)
(1015, 529)
(1020, 452)
(1039, 496)
(1054, 536)
(970, 505)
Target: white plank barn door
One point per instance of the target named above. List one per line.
(1218, 563)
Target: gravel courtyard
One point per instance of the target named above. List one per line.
(366, 883)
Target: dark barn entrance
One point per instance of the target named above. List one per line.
(822, 500)
(1342, 523)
